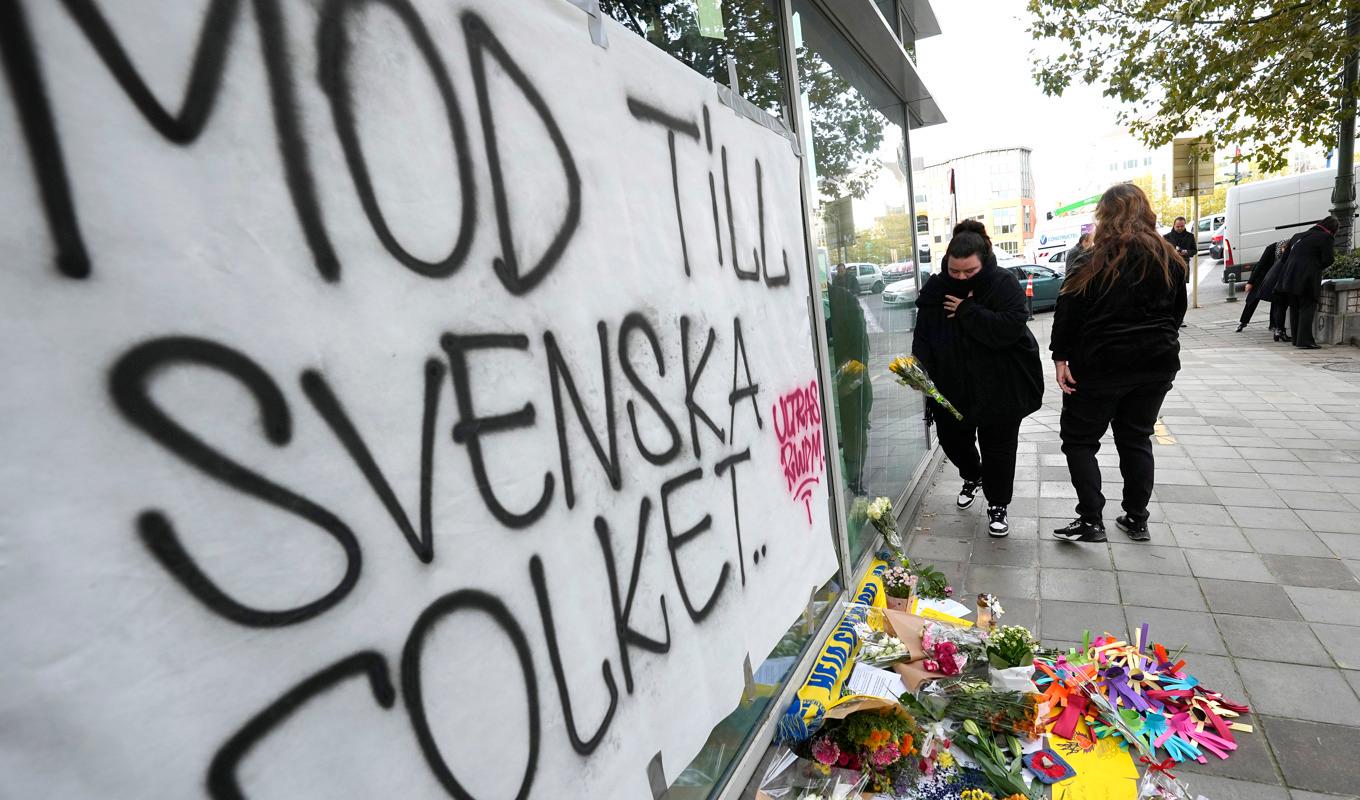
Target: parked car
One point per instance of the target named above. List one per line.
(901, 293)
(1208, 226)
(1047, 283)
(870, 276)
(901, 270)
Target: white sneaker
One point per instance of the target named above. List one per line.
(998, 527)
(969, 489)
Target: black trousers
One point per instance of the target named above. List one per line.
(995, 466)
(1301, 313)
(1249, 307)
(1132, 412)
(1278, 308)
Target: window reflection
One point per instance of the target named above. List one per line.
(866, 258)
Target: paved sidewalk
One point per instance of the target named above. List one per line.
(1255, 553)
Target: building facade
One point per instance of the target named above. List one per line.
(995, 187)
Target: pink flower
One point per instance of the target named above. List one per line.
(949, 591)
(826, 751)
(885, 756)
(931, 665)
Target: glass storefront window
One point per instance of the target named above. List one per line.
(750, 35)
(865, 255)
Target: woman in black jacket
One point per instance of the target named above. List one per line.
(972, 339)
(1116, 349)
(1271, 258)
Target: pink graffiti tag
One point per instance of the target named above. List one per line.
(798, 424)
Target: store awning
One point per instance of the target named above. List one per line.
(864, 25)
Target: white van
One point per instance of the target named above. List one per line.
(1054, 237)
(1262, 213)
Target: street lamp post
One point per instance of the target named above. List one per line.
(1343, 195)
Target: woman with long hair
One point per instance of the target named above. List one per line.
(1116, 350)
(972, 339)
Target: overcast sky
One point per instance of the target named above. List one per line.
(980, 73)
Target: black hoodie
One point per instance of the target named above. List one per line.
(1124, 334)
(984, 360)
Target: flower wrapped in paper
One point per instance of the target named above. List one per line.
(911, 374)
(849, 377)
(790, 777)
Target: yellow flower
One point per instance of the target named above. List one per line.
(945, 759)
(975, 794)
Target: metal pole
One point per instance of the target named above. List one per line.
(1343, 195)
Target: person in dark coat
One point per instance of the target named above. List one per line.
(1181, 239)
(1311, 254)
(1260, 273)
(1116, 349)
(1271, 290)
(972, 339)
(854, 398)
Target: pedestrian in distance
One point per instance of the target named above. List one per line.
(1116, 350)
(1182, 239)
(972, 338)
(1311, 253)
(1261, 277)
(1083, 244)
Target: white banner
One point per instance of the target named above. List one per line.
(402, 398)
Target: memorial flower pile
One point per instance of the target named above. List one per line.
(911, 374)
(990, 714)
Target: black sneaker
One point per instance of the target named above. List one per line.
(1081, 531)
(998, 526)
(1137, 531)
(966, 493)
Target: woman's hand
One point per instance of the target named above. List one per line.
(951, 304)
(1066, 382)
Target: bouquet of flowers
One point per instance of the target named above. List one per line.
(1006, 712)
(792, 778)
(880, 513)
(999, 760)
(910, 373)
(880, 649)
(1011, 646)
(879, 743)
(950, 649)
(898, 582)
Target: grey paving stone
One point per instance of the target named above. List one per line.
(1196, 513)
(1299, 794)
(1217, 673)
(1332, 521)
(1250, 762)
(1316, 501)
(1155, 558)
(1179, 477)
(1216, 787)
(1249, 599)
(1070, 621)
(1004, 582)
(1240, 480)
(1318, 694)
(1267, 518)
(1006, 552)
(940, 548)
(1228, 565)
(1344, 545)
(1301, 483)
(1078, 585)
(1353, 677)
(1193, 630)
(1272, 640)
(1209, 537)
(1320, 573)
(1227, 464)
(1021, 611)
(1186, 494)
(1342, 642)
(1286, 543)
(1160, 591)
(1335, 606)
(1072, 555)
(1248, 498)
(1062, 489)
(1315, 757)
(1283, 468)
